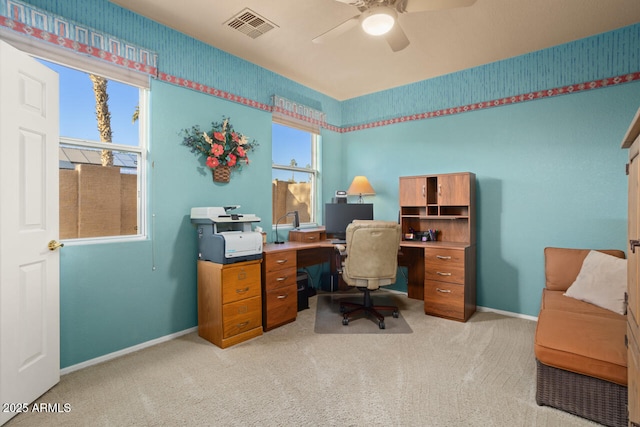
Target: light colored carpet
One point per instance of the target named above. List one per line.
(446, 373)
(329, 318)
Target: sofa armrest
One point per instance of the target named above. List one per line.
(562, 265)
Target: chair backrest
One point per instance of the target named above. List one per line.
(372, 253)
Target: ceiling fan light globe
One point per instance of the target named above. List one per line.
(378, 21)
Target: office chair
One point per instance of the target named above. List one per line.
(371, 261)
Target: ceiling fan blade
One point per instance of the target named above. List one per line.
(396, 38)
(337, 30)
(424, 5)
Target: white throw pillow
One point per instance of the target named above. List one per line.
(602, 281)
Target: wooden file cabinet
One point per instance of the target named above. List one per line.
(280, 290)
(229, 302)
(449, 286)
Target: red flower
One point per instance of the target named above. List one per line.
(212, 162)
(219, 136)
(217, 149)
(232, 160)
(241, 152)
(234, 137)
(246, 160)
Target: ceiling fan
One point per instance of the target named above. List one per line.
(380, 18)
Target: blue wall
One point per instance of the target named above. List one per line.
(550, 172)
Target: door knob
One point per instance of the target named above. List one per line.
(53, 245)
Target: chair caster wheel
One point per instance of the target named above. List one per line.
(345, 321)
(381, 324)
(395, 314)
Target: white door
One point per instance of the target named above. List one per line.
(29, 271)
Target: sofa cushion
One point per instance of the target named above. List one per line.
(555, 300)
(562, 265)
(583, 343)
(602, 281)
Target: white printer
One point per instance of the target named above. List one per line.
(225, 237)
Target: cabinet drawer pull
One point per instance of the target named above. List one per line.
(444, 291)
(282, 261)
(440, 273)
(311, 238)
(242, 325)
(443, 257)
(281, 279)
(242, 291)
(283, 296)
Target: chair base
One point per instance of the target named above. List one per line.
(366, 307)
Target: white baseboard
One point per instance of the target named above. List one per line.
(124, 351)
(507, 313)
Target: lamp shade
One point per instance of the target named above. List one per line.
(360, 186)
(378, 20)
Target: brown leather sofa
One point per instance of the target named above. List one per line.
(579, 347)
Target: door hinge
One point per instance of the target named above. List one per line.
(626, 169)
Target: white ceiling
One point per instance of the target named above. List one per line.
(355, 64)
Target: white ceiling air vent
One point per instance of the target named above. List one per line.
(250, 23)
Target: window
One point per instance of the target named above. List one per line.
(294, 173)
(101, 182)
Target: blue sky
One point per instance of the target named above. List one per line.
(288, 144)
(78, 107)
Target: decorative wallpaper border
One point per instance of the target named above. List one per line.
(34, 22)
(190, 84)
(298, 110)
(516, 99)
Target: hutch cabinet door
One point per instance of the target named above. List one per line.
(413, 191)
(453, 190)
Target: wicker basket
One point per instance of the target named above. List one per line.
(222, 174)
(601, 401)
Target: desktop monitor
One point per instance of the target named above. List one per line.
(338, 215)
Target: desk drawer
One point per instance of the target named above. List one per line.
(281, 306)
(241, 316)
(444, 299)
(280, 278)
(280, 260)
(240, 282)
(446, 265)
(305, 236)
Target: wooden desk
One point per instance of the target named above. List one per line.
(442, 274)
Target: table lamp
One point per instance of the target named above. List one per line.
(360, 186)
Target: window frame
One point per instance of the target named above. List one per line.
(314, 171)
(112, 73)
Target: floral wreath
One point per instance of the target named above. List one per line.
(221, 146)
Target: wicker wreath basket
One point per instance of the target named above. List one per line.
(221, 173)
